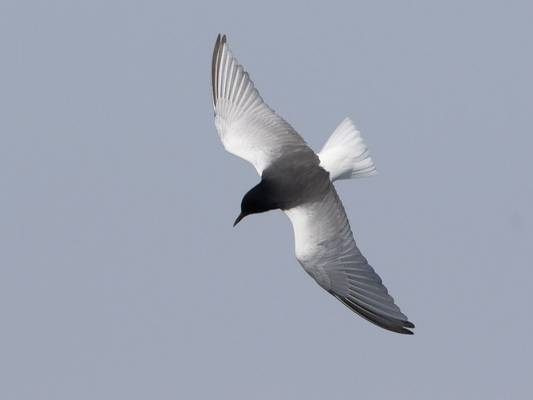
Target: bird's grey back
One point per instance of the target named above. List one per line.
(296, 178)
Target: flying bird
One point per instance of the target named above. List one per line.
(300, 182)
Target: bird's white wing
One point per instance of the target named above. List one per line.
(247, 127)
(326, 249)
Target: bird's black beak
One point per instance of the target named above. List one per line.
(241, 216)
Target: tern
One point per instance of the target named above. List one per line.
(300, 182)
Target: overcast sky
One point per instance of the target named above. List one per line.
(121, 276)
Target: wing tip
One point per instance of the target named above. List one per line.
(221, 39)
(409, 324)
(390, 324)
(219, 44)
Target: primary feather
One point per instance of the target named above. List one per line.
(247, 126)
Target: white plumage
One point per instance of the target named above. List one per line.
(345, 154)
(324, 244)
(246, 125)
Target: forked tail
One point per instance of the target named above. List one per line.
(345, 154)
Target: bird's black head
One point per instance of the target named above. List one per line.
(259, 199)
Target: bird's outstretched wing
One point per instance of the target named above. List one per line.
(247, 126)
(326, 249)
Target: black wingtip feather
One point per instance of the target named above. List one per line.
(214, 69)
(389, 324)
(409, 324)
(217, 52)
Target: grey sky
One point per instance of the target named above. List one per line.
(120, 273)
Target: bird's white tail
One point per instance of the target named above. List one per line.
(345, 154)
